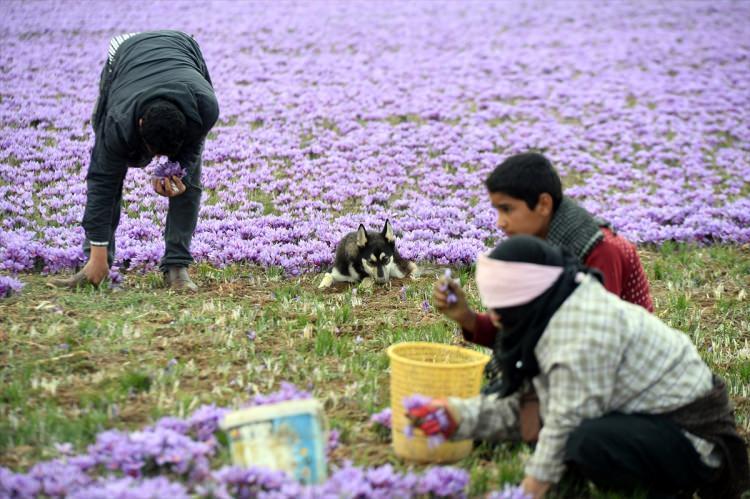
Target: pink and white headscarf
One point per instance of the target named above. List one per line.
(505, 284)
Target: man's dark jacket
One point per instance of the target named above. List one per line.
(152, 65)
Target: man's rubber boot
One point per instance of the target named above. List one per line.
(177, 279)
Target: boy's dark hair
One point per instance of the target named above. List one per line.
(163, 127)
(526, 176)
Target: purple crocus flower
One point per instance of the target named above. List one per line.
(169, 169)
(9, 285)
(382, 418)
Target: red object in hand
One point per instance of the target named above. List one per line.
(433, 419)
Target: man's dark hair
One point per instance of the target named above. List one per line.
(163, 128)
(526, 176)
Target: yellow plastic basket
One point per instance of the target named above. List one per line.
(435, 370)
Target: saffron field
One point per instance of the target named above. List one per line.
(335, 114)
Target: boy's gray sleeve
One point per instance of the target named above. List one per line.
(487, 418)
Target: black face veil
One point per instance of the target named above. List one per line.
(513, 359)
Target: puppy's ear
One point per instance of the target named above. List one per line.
(388, 232)
(361, 236)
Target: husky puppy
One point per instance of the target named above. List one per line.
(362, 254)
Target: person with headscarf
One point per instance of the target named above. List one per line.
(626, 401)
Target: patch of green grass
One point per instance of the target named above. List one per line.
(133, 382)
(42, 426)
(397, 119)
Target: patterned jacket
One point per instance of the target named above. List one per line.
(599, 354)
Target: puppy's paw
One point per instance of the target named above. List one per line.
(326, 282)
(414, 271)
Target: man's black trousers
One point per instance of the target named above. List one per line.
(182, 216)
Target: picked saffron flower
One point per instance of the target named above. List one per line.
(169, 169)
(445, 287)
(251, 335)
(425, 306)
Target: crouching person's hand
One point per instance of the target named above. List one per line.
(450, 299)
(534, 488)
(435, 418)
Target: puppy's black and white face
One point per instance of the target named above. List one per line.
(376, 252)
(379, 264)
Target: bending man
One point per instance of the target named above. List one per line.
(155, 99)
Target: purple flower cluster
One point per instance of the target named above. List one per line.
(243, 483)
(115, 277)
(204, 422)
(152, 451)
(54, 478)
(9, 285)
(169, 169)
(509, 492)
(330, 117)
(382, 482)
(440, 415)
(130, 488)
(233, 482)
(288, 391)
(17, 485)
(382, 418)
(385, 482)
(143, 465)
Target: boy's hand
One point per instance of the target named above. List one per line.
(456, 308)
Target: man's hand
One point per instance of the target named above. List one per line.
(168, 187)
(95, 271)
(457, 309)
(534, 487)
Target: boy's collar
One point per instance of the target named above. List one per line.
(575, 229)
